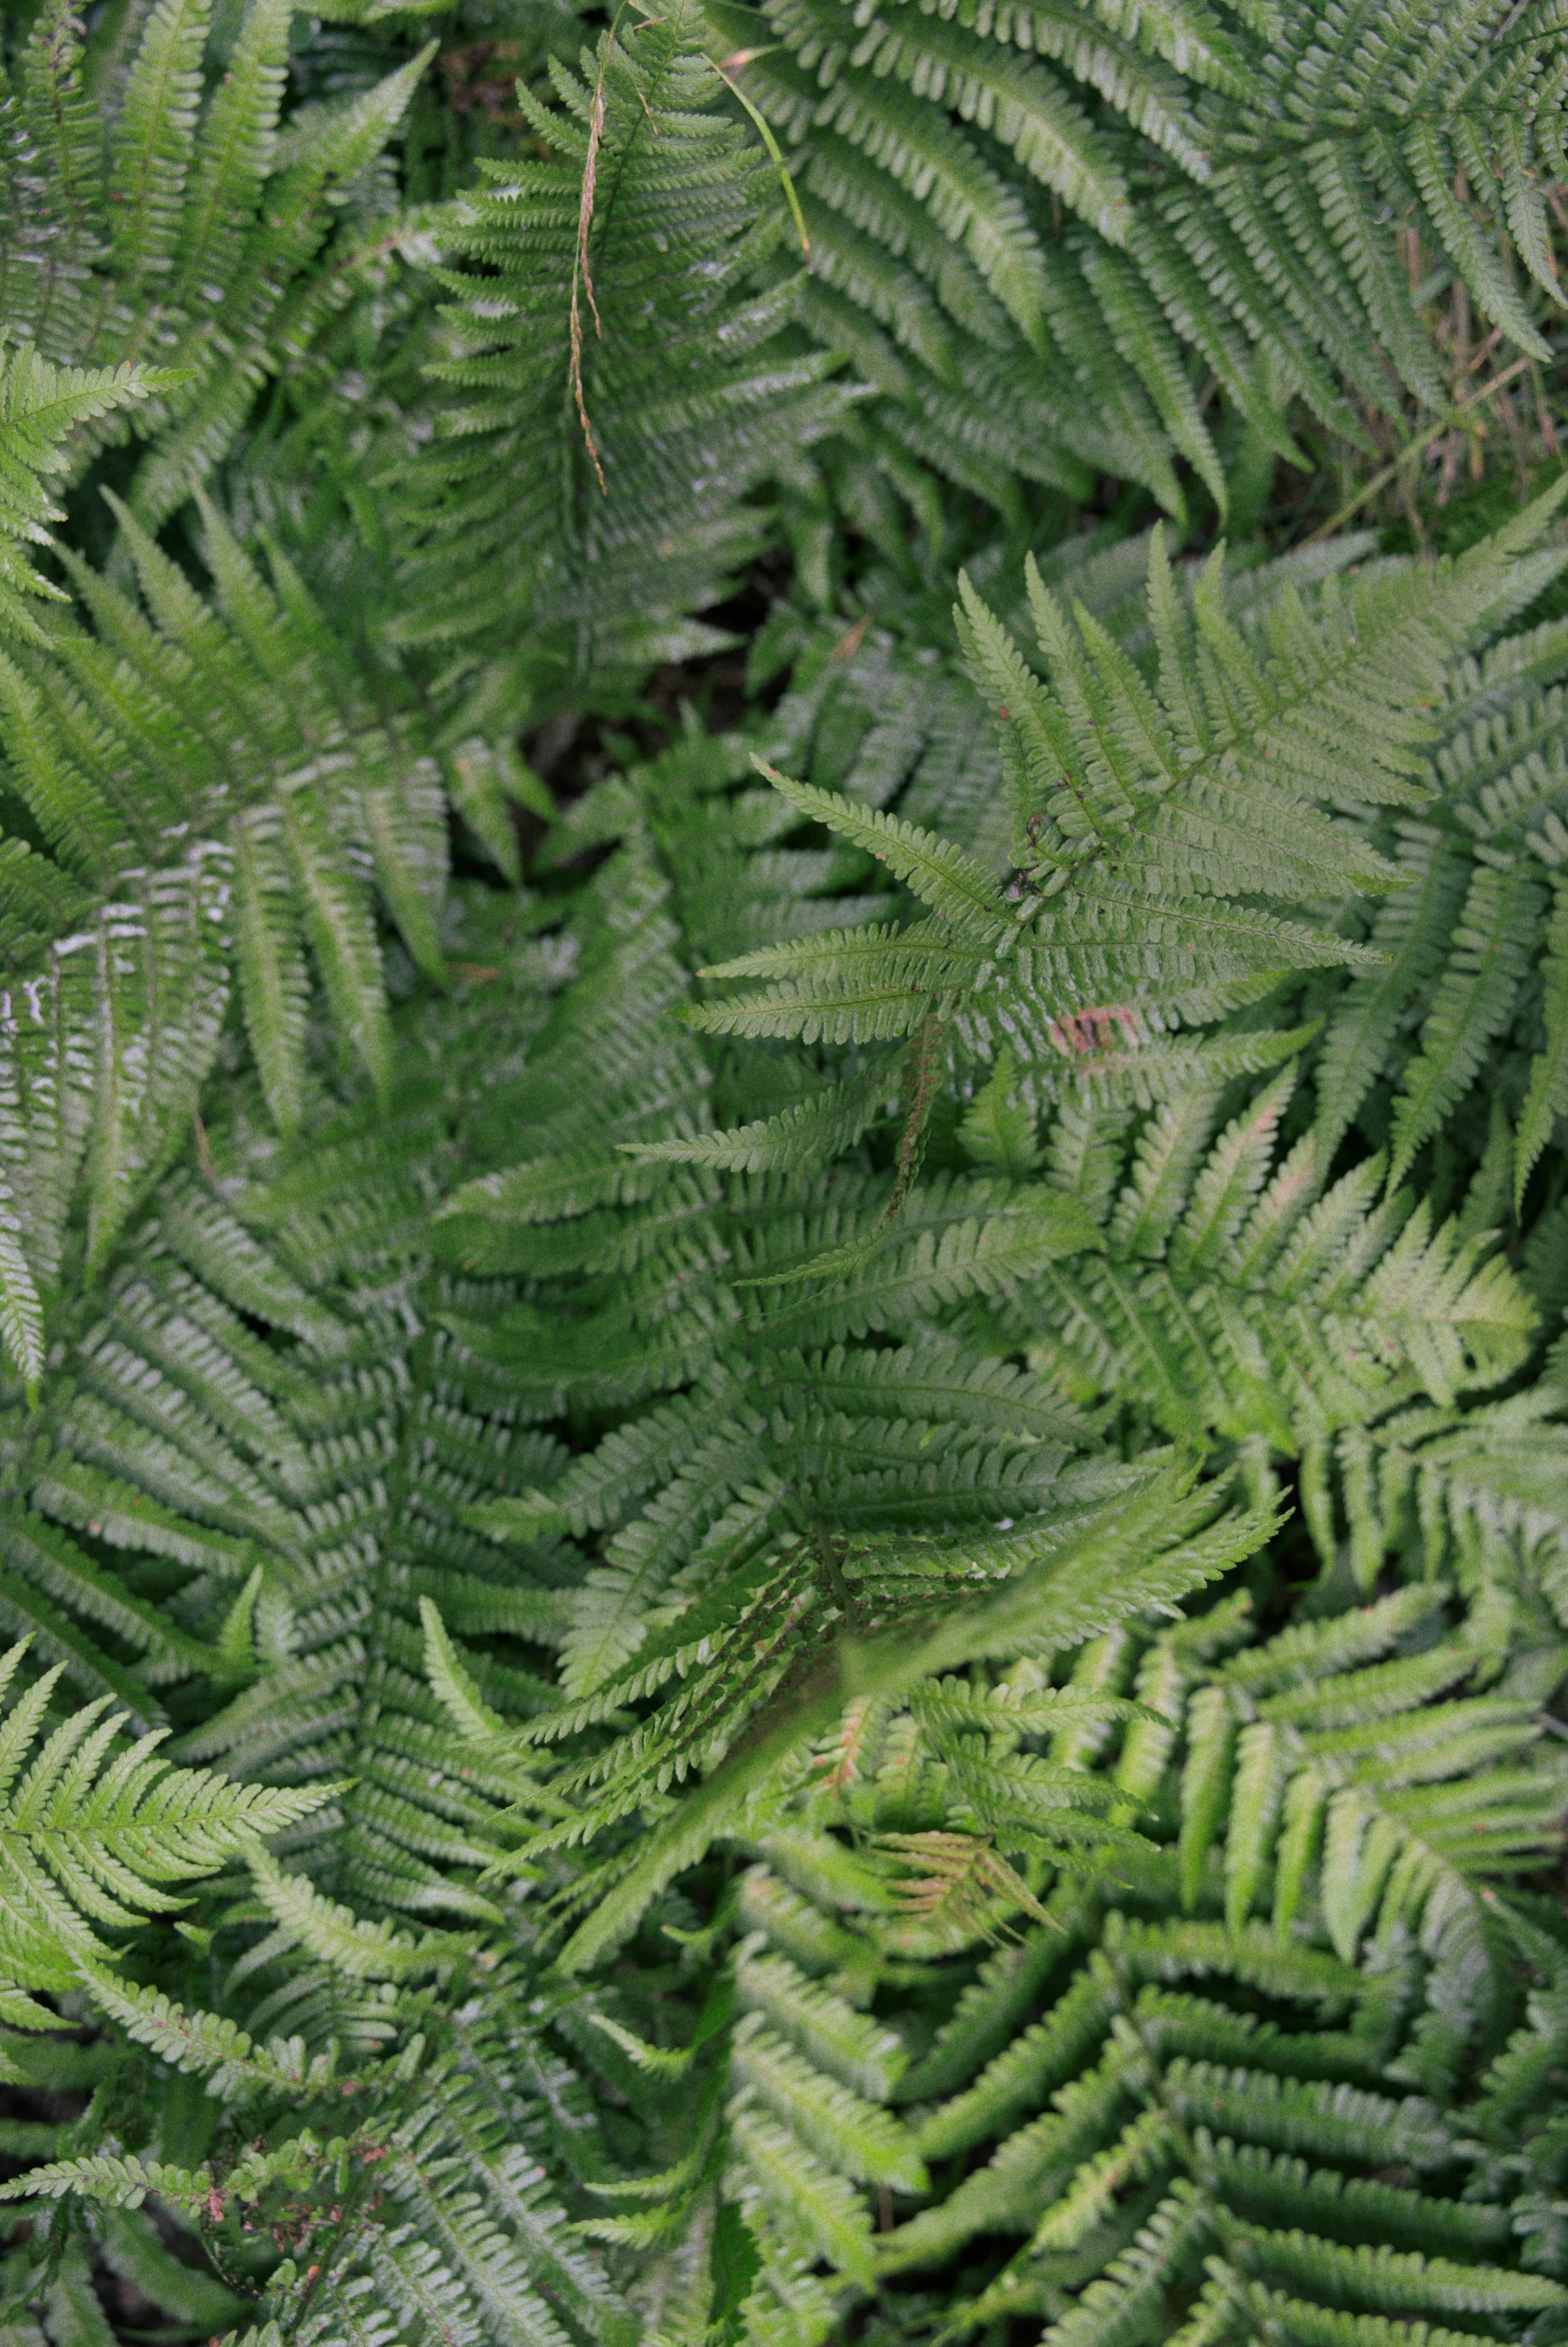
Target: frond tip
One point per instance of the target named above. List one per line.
(91, 1837)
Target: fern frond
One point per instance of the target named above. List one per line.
(1199, 239)
(92, 1836)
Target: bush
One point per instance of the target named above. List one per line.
(783, 1229)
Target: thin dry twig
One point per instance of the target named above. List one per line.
(1381, 481)
(582, 273)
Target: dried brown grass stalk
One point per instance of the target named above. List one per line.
(582, 271)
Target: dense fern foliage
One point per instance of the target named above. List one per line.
(784, 1222)
(153, 211)
(670, 360)
(1016, 206)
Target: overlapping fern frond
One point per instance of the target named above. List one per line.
(720, 1256)
(1474, 972)
(241, 1478)
(217, 807)
(1158, 832)
(1180, 2105)
(303, 1496)
(1038, 229)
(40, 409)
(156, 210)
(611, 386)
(92, 1836)
(262, 1513)
(402, 2182)
(1242, 1295)
(815, 1490)
(846, 1527)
